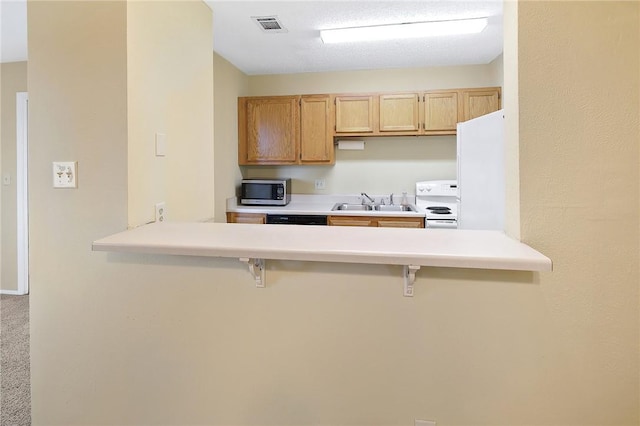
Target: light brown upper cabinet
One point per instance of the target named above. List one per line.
(399, 112)
(477, 102)
(424, 113)
(441, 111)
(354, 113)
(268, 130)
(419, 113)
(316, 130)
(282, 130)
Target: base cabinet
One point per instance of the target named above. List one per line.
(257, 218)
(377, 221)
(401, 222)
(351, 221)
(373, 221)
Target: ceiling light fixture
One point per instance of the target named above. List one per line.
(405, 30)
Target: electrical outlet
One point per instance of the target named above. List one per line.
(424, 423)
(161, 212)
(320, 184)
(65, 174)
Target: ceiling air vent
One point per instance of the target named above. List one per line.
(269, 24)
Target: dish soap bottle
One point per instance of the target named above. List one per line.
(404, 199)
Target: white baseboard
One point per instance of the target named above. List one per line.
(11, 292)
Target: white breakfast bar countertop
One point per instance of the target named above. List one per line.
(452, 248)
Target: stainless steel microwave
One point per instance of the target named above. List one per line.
(265, 192)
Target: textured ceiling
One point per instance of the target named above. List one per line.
(13, 30)
(238, 38)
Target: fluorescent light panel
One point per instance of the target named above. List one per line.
(406, 30)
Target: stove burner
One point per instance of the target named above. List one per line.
(438, 208)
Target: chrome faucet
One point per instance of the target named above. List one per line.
(391, 199)
(369, 198)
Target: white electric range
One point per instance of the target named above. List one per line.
(438, 200)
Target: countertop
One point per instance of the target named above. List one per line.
(394, 246)
(304, 204)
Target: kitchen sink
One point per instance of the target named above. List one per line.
(395, 208)
(353, 207)
(367, 207)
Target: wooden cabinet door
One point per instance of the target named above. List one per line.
(399, 112)
(441, 111)
(401, 222)
(354, 114)
(316, 130)
(259, 218)
(271, 133)
(477, 102)
(351, 221)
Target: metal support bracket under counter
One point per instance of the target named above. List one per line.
(257, 269)
(254, 245)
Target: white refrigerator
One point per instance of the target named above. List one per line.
(481, 182)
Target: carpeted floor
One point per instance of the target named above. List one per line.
(15, 384)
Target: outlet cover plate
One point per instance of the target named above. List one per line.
(161, 212)
(65, 174)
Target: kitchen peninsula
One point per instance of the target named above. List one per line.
(253, 244)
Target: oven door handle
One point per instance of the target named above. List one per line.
(441, 223)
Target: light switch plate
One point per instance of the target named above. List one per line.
(6, 179)
(161, 144)
(65, 174)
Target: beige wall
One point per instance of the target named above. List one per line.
(373, 80)
(13, 79)
(143, 339)
(387, 164)
(170, 87)
(229, 83)
(579, 141)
